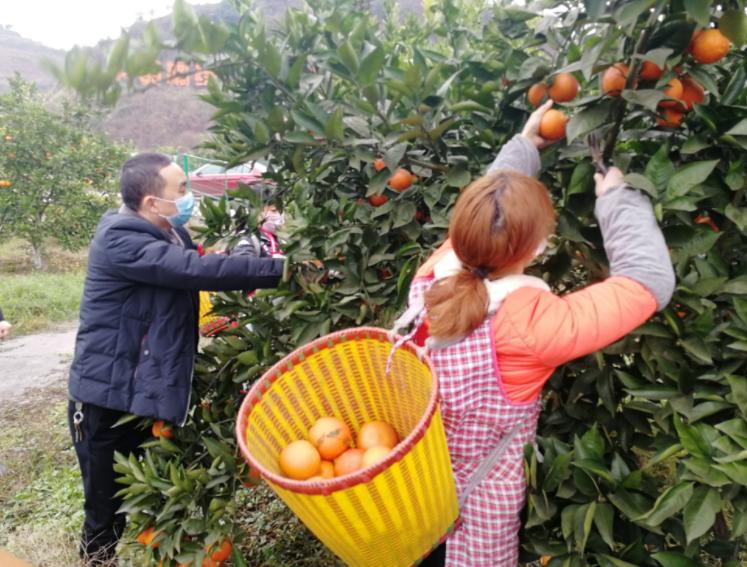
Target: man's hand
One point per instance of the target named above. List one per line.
(613, 178)
(5, 328)
(531, 129)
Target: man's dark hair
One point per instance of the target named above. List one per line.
(268, 194)
(140, 177)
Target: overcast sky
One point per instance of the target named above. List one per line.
(62, 24)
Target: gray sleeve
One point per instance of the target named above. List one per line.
(634, 243)
(518, 154)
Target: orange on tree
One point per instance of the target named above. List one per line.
(349, 462)
(222, 552)
(673, 90)
(377, 433)
(613, 79)
(379, 164)
(210, 562)
(375, 455)
(147, 536)
(672, 118)
(300, 460)
(705, 219)
(564, 87)
(378, 200)
(161, 429)
(650, 71)
(401, 180)
(692, 92)
(552, 125)
(537, 94)
(709, 46)
(331, 437)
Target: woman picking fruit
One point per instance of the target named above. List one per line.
(496, 335)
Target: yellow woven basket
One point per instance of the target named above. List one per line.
(210, 324)
(392, 513)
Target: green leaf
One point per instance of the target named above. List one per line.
(595, 8)
(691, 439)
(348, 56)
(604, 521)
(660, 168)
(582, 522)
(738, 385)
(585, 121)
(699, 10)
(458, 176)
(334, 128)
(582, 179)
(559, 471)
(700, 512)
(689, 176)
(404, 212)
(630, 11)
(669, 503)
(607, 561)
(672, 559)
(733, 24)
(647, 98)
(693, 145)
(739, 130)
(641, 182)
(698, 349)
(737, 215)
(701, 243)
(371, 65)
(737, 286)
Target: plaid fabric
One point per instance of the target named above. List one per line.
(476, 415)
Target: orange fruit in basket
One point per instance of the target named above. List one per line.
(331, 437)
(300, 460)
(349, 462)
(377, 433)
(375, 455)
(327, 470)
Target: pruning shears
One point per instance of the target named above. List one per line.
(595, 145)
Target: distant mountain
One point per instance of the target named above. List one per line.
(165, 116)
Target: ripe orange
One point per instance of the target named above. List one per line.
(223, 552)
(537, 93)
(147, 536)
(160, 429)
(379, 164)
(327, 469)
(378, 200)
(209, 562)
(300, 460)
(564, 87)
(349, 462)
(375, 455)
(672, 118)
(331, 437)
(709, 46)
(613, 79)
(692, 92)
(650, 71)
(545, 560)
(401, 180)
(552, 126)
(672, 90)
(377, 433)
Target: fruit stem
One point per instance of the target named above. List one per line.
(635, 65)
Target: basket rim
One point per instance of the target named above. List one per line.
(328, 486)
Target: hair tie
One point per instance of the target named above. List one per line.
(481, 273)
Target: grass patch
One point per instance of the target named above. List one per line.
(35, 301)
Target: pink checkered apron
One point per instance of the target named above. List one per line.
(477, 414)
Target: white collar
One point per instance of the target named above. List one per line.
(498, 289)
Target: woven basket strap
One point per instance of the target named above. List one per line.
(489, 462)
(414, 313)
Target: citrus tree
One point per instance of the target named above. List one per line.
(371, 129)
(57, 176)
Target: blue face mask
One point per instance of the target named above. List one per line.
(184, 207)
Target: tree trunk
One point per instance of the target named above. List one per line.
(37, 256)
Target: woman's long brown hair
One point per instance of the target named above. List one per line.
(498, 223)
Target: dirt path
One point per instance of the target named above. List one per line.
(35, 361)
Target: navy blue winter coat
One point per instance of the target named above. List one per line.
(138, 318)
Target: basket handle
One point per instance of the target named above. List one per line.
(415, 313)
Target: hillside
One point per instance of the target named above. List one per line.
(165, 116)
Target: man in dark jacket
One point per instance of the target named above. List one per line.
(134, 353)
